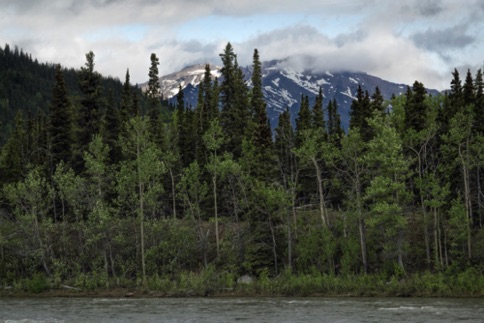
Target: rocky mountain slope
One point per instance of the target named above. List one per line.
(283, 86)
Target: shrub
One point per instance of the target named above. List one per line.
(37, 284)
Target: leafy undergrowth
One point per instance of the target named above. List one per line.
(469, 283)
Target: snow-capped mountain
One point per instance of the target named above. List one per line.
(284, 85)
(187, 78)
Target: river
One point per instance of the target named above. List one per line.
(241, 309)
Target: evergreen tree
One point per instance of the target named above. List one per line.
(126, 101)
(89, 111)
(235, 113)
(207, 111)
(360, 112)
(228, 71)
(468, 91)
(215, 106)
(335, 131)
(479, 103)
(183, 129)
(153, 93)
(416, 107)
(14, 158)
(90, 86)
(376, 105)
(456, 99)
(284, 143)
(303, 120)
(60, 121)
(318, 114)
(264, 159)
(303, 126)
(111, 129)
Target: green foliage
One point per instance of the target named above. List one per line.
(183, 204)
(90, 281)
(37, 284)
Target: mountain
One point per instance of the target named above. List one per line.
(188, 78)
(283, 86)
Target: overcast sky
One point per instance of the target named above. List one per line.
(401, 41)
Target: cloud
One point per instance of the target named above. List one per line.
(443, 40)
(385, 38)
(429, 7)
(377, 52)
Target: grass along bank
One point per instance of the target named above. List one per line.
(208, 282)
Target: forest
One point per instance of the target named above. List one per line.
(103, 186)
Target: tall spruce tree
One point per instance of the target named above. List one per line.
(126, 101)
(13, 162)
(89, 112)
(91, 101)
(360, 112)
(60, 120)
(318, 113)
(376, 105)
(153, 94)
(284, 143)
(111, 128)
(235, 113)
(335, 131)
(456, 99)
(303, 120)
(468, 91)
(479, 103)
(416, 107)
(262, 137)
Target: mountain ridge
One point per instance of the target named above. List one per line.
(283, 86)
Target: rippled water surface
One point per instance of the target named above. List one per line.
(241, 309)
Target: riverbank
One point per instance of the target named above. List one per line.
(466, 284)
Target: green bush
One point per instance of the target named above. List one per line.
(37, 284)
(91, 281)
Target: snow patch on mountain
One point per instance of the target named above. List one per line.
(190, 75)
(284, 85)
(353, 80)
(302, 80)
(348, 93)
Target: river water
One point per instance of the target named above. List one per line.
(241, 309)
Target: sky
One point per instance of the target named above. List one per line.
(400, 41)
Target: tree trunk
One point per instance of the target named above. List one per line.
(214, 181)
(362, 230)
(106, 265)
(289, 240)
(173, 192)
(400, 248)
(142, 231)
(468, 211)
(274, 245)
(321, 195)
(436, 238)
(479, 196)
(467, 200)
(41, 245)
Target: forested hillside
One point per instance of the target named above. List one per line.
(26, 87)
(97, 192)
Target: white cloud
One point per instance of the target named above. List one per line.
(378, 37)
